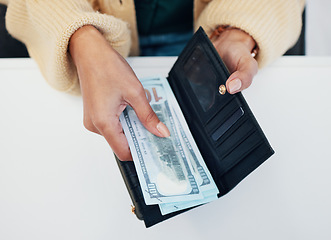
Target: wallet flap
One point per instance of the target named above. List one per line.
(227, 134)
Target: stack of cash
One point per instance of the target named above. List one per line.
(171, 171)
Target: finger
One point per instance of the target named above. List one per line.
(242, 78)
(113, 133)
(88, 124)
(147, 116)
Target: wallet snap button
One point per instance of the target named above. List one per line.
(222, 89)
(133, 209)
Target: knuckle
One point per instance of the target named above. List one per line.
(88, 125)
(248, 83)
(150, 117)
(100, 122)
(136, 92)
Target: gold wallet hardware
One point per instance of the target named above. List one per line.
(222, 89)
(133, 209)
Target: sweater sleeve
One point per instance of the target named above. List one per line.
(275, 25)
(45, 27)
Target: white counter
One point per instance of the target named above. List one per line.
(58, 181)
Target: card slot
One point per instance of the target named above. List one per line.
(243, 143)
(221, 130)
(241, 149)
(233, 144)
(252, 160)
(221, 115)
(242, 131)
(220, 103)
(242, 126)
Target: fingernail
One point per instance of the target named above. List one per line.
(163, 129)
(234, 85)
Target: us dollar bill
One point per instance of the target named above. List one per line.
(163, 169)
(200, 170)
(171, 170)
(167, 208)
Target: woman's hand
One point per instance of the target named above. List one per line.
(235, 47)
(108, 85)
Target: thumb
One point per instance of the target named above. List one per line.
(243, 76)
(148, 117)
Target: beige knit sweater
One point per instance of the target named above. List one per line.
(45, 26)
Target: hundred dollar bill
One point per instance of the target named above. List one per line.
(163, 168)
(199, 167)
(208, 196)
(171, 170)
(200, 170)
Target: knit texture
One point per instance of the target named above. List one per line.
(46, 27)
(274, 24)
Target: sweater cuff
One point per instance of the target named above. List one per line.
(275, 25)
(45, 27)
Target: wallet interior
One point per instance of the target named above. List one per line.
(226, 132)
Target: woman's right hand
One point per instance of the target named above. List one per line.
(108, 85)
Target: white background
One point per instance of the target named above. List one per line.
(58, 181)
(318, 35)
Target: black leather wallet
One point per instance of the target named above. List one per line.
(226, 132)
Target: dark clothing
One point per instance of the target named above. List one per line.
(156, 17)
(9, 47)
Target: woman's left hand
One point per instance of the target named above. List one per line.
(235, 48)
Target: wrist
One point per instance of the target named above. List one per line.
(81, 39)
(226, 33)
